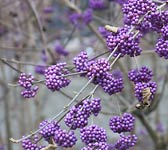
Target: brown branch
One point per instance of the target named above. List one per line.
(93, 29)
(33, 8)
(9, 65)
(146, 124)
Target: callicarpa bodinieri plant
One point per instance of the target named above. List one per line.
(84, 75)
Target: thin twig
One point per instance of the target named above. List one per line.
(23, 63)
(32, 6)
(55, 117)
(17, 70)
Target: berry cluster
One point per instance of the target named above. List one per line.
(93, 134)
(97, 4)
(30, 144)
(122, 124)
(125, 142)
(140, 17)
(54, 77)
(97, 146)
(112, 85)
(103, 32)
(140, 86)
(144, 74)
(99, 71)
(80, 62)
(142, 80)
(95, 106)
(162, 43)
(157, 20)
(40, 69)
(125, 41)
(164, 32)
(162, 48)
(117, 74)
(135, 10)
(78, 115)
(80, 20)
(49, 130)
(64, 138)
(26, 81)
(59, 49)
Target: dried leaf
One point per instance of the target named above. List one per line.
(111, 28)
(146, 93)
(139, 106)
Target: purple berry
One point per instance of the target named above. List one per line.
(122, 124)
(158, 20)
(162, 48)
(127, 44)
(30, 143)
(59, 49)
(64, 138)
(95, 106)
(53, 76)
(80, 20)
(97, 4)
(80, 62)
(40, 69)
(78, 115)
(26, 81)
(103, 32)
(140, 86)
(29, 93)
(49, 130)
(111, 85)
(164, 32)
(97, 69)
(125, 142)
(134, 11)
(144, 74)
(87, 16)
(117, 74)
(93, 134)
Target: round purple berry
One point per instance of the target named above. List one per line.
(125, 142)
(54, 77)
(93, 134)
(144, 74)
(122, 124)
(64, 138)
(126, 42)
(140, 86)
(49, 130)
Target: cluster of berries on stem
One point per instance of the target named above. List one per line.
(26, 81)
